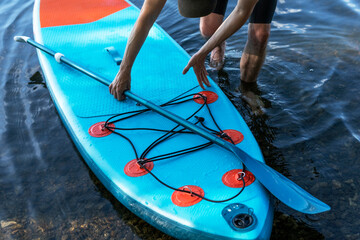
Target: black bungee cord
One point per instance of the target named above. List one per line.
(168, 134)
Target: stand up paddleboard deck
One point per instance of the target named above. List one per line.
(84, 31)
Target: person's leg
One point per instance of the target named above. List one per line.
(254, 52)
(208, 26)
(210, 23)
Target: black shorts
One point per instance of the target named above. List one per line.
(263, 11)
(220, 7)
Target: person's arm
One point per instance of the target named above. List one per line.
(148, 14)
(234, 22)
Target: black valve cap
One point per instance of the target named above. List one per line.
(243, 220)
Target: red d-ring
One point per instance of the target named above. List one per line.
(133, 168)
(187, 199)
(236, 136)
(99, 129)
(210, 97)
(233, 178)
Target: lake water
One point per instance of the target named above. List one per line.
(304, 112)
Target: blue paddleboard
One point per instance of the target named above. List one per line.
(175, 180)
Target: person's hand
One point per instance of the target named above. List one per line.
(197, 62)
(120, 84)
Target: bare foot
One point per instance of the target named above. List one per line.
(217, 58)
(251, 95)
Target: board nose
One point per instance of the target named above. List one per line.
(66, 12)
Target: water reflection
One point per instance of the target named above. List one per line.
(352, 5)
(37, 80)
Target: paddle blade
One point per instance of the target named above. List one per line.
(282, 188)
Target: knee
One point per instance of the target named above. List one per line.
(259, 34)
(205, 32)
(209, 24)
(207, 29)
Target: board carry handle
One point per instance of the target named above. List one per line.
(281, 187)
(114, 54)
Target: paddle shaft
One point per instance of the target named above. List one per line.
(138, 99)
(281, 187)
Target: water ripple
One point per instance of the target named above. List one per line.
(352, 5)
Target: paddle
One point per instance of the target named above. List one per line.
(281, 187)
